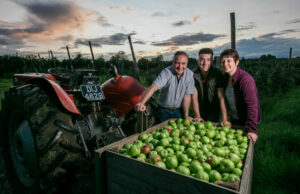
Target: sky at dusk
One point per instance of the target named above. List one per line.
(157, 27)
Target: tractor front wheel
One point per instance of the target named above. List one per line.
(33, 156)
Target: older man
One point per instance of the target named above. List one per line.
(176, 84)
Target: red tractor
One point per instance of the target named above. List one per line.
(50, 119)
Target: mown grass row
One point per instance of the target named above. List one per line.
(277, 151)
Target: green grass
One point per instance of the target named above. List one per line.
(277, 151)
(5, 84)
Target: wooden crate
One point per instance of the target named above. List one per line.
(116, 173)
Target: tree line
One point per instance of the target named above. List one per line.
(271, 75)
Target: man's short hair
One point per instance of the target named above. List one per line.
(230, 53)
(179, 53)
(206, 51)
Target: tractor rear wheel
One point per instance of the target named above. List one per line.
(33, 156)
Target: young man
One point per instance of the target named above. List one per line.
(207, 96)
(176, 84)
(243, 105)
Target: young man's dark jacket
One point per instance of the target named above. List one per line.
(209, 105)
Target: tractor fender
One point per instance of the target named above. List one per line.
(56, 92)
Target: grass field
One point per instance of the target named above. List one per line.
(5, 84)
(277, 151)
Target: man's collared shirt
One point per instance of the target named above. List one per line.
(172, 89)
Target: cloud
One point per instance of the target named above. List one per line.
(49, 21)
(124, 10)
(249, 26)
(256, 47)
(195, 18)
(158, 14)
(65, 38)
(273, 34)
(115, 39)
(276, 11)
(188, 39)
(7, 41)
(139, 42)
(181, 23)
(294, 21)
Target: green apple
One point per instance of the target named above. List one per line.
(141, 159)
(172, 162)
(226, 165)
(206, 167)
(200, 126)
(184, 141)
(154, 158)
(234, 158)
(141, 155)
(176, 140)
(163, 153)
(193, 145)
(127, 146)
(195, 166)
(209, 124)
(205, 140)
(191, 153)
(214, 176)
(183, 158)
(219, 152)
(175, 147)
(184, 170)
(164, 142)
(233, 177)
(158, 148)
(213, 160)
(211, 134)
(124, 151)
(170, 151)
(202, 158)
(180, 120)
(160, 164)
(134, 150)
(240, 164)
(225, 129)
(201, 132)
(202, 175)
(225, 177)
(186, 122)
(143, 137)
(192, 128)
(238, 172)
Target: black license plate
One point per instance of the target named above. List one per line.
(92, 92)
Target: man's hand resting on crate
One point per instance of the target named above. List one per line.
(140, 107)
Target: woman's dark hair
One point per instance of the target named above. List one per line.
(230, 53)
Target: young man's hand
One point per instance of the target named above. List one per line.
(252, 136)
(198, 119)
(189, 118)
(227, 123)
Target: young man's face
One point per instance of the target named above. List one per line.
(204, 62)
(180, 64)
(229, 65)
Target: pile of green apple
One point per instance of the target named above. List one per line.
(202, 150)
